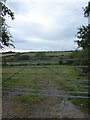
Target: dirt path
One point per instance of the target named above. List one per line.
(50, 107)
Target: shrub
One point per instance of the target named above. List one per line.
(23, 57)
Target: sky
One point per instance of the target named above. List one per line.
(49, 25)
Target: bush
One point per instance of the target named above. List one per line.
(40, 55)
(83, 61)
(23, 57)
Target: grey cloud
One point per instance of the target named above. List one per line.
(66, 18)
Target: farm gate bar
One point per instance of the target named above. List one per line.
(39, 78)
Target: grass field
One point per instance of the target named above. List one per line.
(68, 78)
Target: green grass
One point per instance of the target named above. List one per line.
(70, 82)
(71, 79)
(58, 53)
(31, 54)
(66, 78)
(49, 53)
(30, 99)
(11, 70)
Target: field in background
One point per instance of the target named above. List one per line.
(43, 67)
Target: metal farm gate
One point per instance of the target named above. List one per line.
(43, 78)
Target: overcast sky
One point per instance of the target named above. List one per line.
(45, 24)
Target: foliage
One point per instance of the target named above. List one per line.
(83, 54)
(83, 36)
(22, 57)
(83, 33)
(87, 10)
(5, 36)
(40, 55)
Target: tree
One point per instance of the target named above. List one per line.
(87, 10)
(83, 41)
(5, 36)
(83, 36)
(83, 33)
